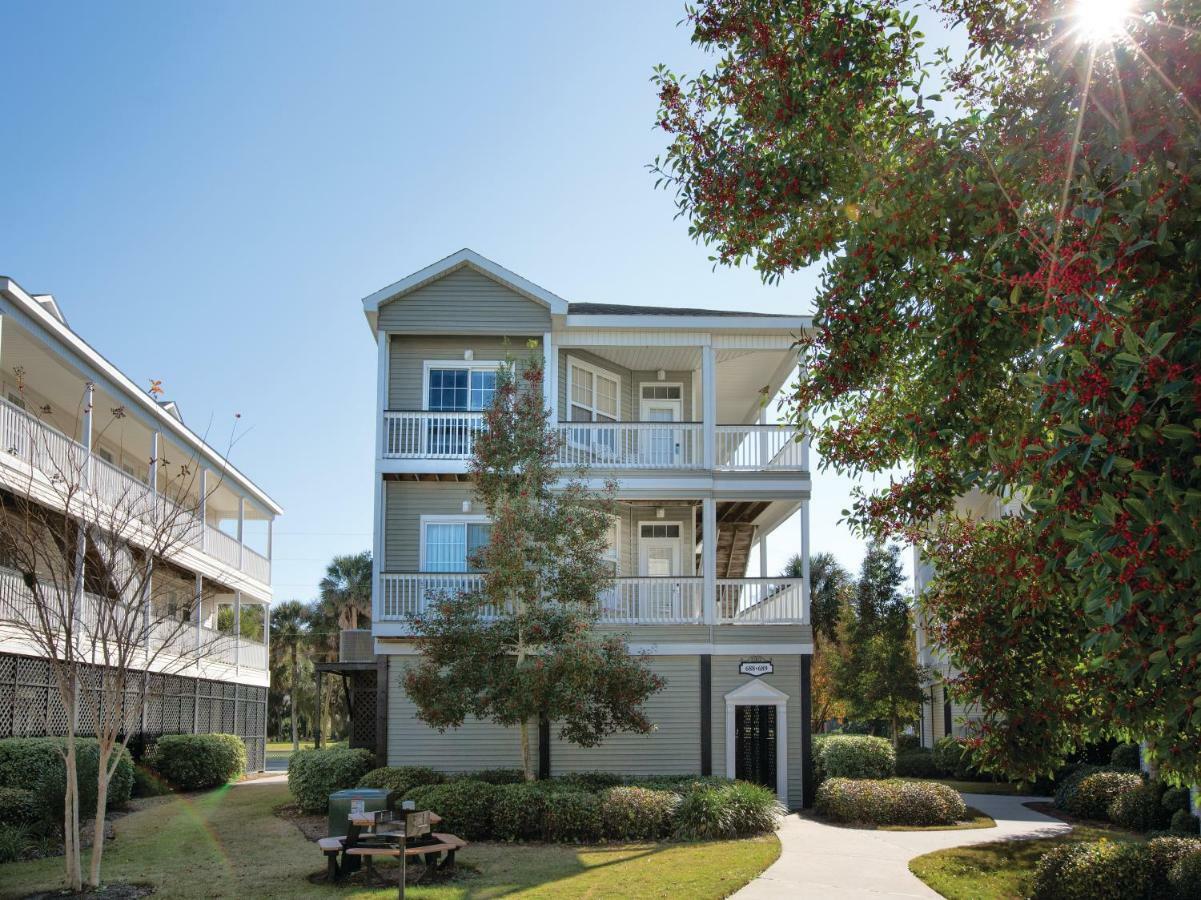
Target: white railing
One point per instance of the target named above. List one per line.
(218, 646)
(757, 448)
(653, 601)
(431, 435)
(61, 460)
(631, 445)
(252, 654)
(760, 601)
(675, 600)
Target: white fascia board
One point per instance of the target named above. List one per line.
(774, 324)
(371, 303)
(52, 330)
(658, 648)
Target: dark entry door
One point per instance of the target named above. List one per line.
(755, 744)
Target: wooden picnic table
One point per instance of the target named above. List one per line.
(372, 834)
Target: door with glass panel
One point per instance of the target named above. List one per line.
(661, 447)
(462, 393)
(659, 567)
(449, 557)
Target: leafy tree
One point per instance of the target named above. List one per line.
(829, 591)
(522, 646)
(346, 589)
(289, 636)
(1009, 301)
(251, 622)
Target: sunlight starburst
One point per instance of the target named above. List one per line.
(1102, 21)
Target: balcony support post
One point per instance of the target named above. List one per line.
(204, 500)
(270, 538)
(550, 376)
(709, 403)
(199, 614)
(241, 533)
(764, 454)
(709, 558)
(382, 341)
(152, 470)
(238, 632)
(805, 561)
(763, 554)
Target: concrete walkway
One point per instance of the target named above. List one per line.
(825, 861)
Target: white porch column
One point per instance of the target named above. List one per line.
(762, 554)
(199, 606)
(270, 537)
(377, 544)
(709, 557)
(238, 631)
(764, 455)
(241, 531)
(204, 499)
(550, 376)
(709, 402)
(383, 342)
(805, 560)
(152, 471)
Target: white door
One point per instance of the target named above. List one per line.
(659, 595)
(661, 446)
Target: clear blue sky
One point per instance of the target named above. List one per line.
(210, 188)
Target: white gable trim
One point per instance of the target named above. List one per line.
(757, 692)
(469, 258)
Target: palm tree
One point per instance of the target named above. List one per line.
(829, 584)
(289, 632)
(346, 588)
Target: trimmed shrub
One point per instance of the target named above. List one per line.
(1184, 822)
(19, 806)
(196, 762)
(1175, 798)
(734, 809)
(953, 759)
(1163, 853)
(1089, 791)
(592, 781)
(1185, 876)
(498, 776)
(889, 802)
(147, 784)
(681, 784)
(1125, 757)
(637, 813)
(573, 816)
(400, 779)
(1140, 808)
(464, 805)
(917, 764)
(1094, 870)
(519, 811)
(908, 742)
(854, 756)
(315, 774)
(36, 764)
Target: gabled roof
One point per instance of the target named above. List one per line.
(464, 258)
(620, 309)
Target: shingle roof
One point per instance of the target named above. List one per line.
(618, 309)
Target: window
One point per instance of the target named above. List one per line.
(656, 530)
(450, 545)
(594, 393)
(661, 392)
(612, 554)
(104, 455)
(460, 389)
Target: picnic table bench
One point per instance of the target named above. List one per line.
(363, 842)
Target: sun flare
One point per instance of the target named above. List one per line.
(1102, 21)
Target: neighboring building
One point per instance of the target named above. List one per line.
(942, 715)
(670, 403)
(46, 373)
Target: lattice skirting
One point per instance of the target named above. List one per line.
(30, 706)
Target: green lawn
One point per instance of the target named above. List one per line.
(974, 787)
(229, 843)
(286, 746)
(1001, 870)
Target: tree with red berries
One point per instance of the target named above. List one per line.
(1009, 302)
(523, 647)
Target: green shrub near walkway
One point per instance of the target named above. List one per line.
(1097, 870)
(853, 756)
(196, 762)
(315, 774)
(865, 801)
(36, 764)
(1090, 790)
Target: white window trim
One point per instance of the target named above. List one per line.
(595, 370)
(484, 365)
(451, 519)
(643, 400)
(758, 692)
(681, 556)
(616, 557)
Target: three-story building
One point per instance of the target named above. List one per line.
(670, 403)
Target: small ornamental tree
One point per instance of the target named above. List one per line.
(522, 646)
(1011, 301)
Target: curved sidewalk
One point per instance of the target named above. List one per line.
(820, 860)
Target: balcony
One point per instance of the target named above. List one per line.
(628, 601)
(171, 645)
(27, 440)
(608, 445)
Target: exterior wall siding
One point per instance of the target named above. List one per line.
(631, 519)
(473, 302)
(405, 502)
(672, 748)
(631, 385)
(407, 356)
(476, 745)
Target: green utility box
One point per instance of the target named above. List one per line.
(356, 800)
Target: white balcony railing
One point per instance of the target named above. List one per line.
(758, 448)
(172, 644)
(675, 600)
(607, 445)
(41, 447)
(760, 601)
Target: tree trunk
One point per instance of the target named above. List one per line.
(526, 763)
(98, 824)
(71, 814)
(292, 700)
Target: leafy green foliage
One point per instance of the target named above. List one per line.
(315, 774)
(573, 817)
(498, 776)
(522, 645)
(37, 764)
(1185, 875)
(1184, 822)
(1091, 870)
(870, 801)
(519, 811)
(637, 813)
(14, 839)
(1125, 757)
(1089, 790)
(917, 764)
(18, 806)
(464, 805)
(854, 756)
(732, 810)
(194, 762)
(1009, 302)
(401, 779)
(953, 758)
(1140, 808)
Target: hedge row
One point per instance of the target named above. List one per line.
(315, 774)
(863, 801)
(1090, 790)
(195, 762)
(34, 771)
(853, 756)
(1165, 868)
(564, 810)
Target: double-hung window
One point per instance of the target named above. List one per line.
(594, 395)
(456, 389)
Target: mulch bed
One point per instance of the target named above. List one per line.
(115, 891)
(312, 826)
